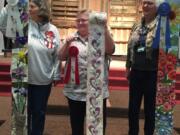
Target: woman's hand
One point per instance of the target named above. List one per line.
(109, 42)
(69, 39)
(63, 51)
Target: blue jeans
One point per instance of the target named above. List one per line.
(37, 103)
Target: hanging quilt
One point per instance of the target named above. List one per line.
(17, 29)
(167, 39)
(95, 70)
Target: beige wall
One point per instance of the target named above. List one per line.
(96, 5)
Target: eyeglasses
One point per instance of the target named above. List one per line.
(81, 20)
(148, 3)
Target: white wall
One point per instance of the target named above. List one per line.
(1, 36)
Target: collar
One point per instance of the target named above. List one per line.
(40, 26)
(81, 39)
(152, 24)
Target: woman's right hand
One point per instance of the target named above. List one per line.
(64, 50)
(69, 39)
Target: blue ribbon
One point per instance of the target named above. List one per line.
(163, 11)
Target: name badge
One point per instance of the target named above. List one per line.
(141, 49)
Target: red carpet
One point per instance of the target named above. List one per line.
(117, 81)
(5, 79)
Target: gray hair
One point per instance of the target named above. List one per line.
(83, 11)
(44, 10)
(157, 2)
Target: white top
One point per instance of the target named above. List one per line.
(78, 92)
(42, 57)
(43, 44)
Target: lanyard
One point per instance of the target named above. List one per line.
(142, 35)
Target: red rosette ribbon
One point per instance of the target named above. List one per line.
(49, 39)
(73, 53)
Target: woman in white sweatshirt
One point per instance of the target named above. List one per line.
(43, 42)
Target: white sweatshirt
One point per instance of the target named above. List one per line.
(43, 61)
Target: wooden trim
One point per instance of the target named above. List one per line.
(67, 3)
(119, 57)
(102, 5)
(82, 4)
(123, 14)
(87, 4)
(121, 42)
(69, 9)
(108, 11)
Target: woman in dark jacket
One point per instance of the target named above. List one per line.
(141, 68)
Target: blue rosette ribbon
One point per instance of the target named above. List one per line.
(163, 11)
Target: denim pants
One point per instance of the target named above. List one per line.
(142, 84)
(37, 103)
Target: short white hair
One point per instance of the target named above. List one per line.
(158, 2)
